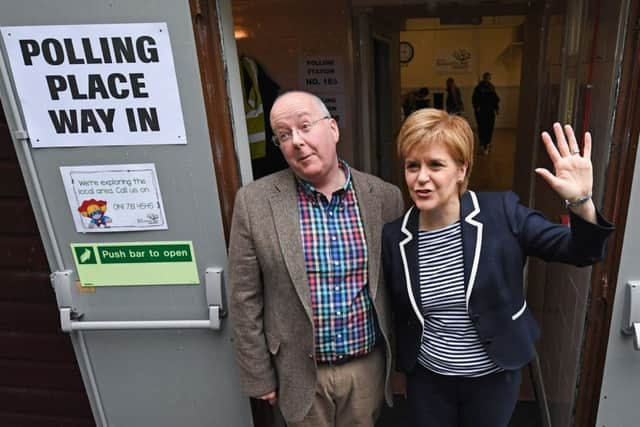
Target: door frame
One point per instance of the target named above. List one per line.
(212, 58)
(220, 74)
(368, 26)
(620, 171)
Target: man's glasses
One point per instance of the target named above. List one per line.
(284, 136)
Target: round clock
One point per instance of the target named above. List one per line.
(406, 52)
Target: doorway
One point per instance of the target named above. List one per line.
(529, 68)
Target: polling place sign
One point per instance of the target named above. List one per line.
(93, 85)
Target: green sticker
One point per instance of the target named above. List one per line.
(85, 255)
(135, 263)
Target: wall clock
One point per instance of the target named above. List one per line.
(406, 52)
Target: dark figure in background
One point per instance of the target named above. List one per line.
(416, 100)
(421, 100)
(485, 102)
(454, 99)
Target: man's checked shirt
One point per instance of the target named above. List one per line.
(335, 253)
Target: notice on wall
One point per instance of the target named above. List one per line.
(321, 74)
(93, 85)
(457, 60)
(107, 198)
(135, 263)
(335, 105)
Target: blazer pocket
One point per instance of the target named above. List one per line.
(273, 343)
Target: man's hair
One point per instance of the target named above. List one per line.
(432, 126)
(321, 106)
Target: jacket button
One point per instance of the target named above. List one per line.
(310, 355)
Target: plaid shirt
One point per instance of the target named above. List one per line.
(335, 254)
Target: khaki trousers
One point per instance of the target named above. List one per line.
(348, 395)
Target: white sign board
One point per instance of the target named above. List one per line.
(321, 74)
(92, 85)
(105, 198)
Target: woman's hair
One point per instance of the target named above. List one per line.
(431, 126)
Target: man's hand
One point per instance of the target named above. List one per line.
(399, 383)
(269, 397)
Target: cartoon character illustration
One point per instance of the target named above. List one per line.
(94, 210)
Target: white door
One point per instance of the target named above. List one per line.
(166, 376)
(621, 381)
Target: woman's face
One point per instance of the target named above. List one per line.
(433, 177)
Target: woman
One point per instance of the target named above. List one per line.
(454, 99)
(453, 264)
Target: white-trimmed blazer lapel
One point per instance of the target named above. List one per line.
(472, 230)
(409, 254)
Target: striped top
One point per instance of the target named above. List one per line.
(336, 261)
(450, 343)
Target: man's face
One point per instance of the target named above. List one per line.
(311, 152)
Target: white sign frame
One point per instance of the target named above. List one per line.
(96, 85)
(120, 187)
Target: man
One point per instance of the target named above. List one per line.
(309, 309)
(485, 102)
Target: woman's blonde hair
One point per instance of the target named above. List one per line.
(431, 126)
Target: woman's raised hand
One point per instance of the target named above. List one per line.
(573, 178)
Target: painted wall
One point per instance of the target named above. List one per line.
(278, 34)
(494, 45)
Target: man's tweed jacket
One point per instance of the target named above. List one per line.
(270, 304)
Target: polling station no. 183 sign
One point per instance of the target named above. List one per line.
(90, 85)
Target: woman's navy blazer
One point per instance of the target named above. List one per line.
(498, 234)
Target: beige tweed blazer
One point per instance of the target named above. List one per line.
(270, 305)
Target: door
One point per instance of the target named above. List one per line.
(384, 131)
(377, 71)
(150, 336)
(621, 383)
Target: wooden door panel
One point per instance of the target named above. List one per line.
(40, 383)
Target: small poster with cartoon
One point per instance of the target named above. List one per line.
(107, 198)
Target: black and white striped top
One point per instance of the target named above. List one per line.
(450, 343)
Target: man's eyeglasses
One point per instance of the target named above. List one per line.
(284, 136)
